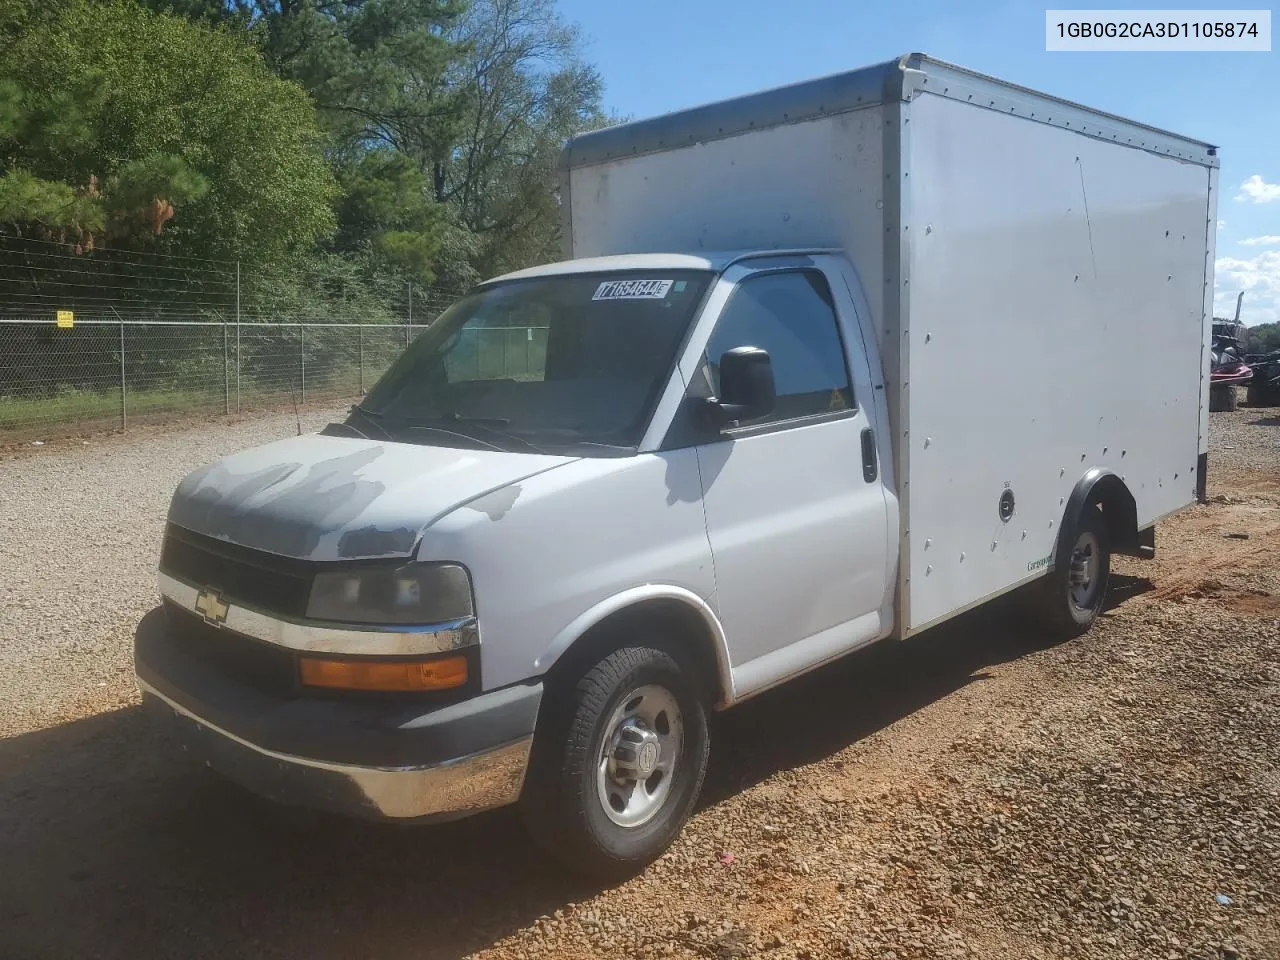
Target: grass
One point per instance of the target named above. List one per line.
(76, 406)
(70, 409)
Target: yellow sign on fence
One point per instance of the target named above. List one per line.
(66, 319)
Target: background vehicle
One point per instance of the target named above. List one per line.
(534, 582)
(1264, 384)
(1226, 368)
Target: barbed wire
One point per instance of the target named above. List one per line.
(68, 245)
(41, 277)
(154, 336)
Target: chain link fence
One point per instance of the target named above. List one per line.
(102, 374)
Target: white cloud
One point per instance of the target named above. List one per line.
(1257, 190)
(1267, 240)
(1221, 224)
(1259, 277)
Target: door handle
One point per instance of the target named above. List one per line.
(869, 471)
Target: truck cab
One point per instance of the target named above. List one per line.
(674, 456)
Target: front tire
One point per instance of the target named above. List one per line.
(617, 763)
(1071, 599)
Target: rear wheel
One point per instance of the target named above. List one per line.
(618, 766)
(1071, 599)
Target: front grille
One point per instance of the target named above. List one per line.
(262, 666)
(253, 578)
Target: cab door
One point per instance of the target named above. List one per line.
(794, 501)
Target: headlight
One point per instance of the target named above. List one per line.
(414, 593)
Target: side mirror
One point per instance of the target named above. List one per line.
(747, 389)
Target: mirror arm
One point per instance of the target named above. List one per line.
(717, 414)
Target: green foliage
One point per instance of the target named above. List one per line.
(171, 128)
(26, 198)
(387, 211)
(345, 151)
(1263, 338)
(467, 107)
(339, 287)
(139, 184)
(527, 91)
(377, 70)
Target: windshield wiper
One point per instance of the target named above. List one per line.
(453, 433)
(457, 417)
(372, 417)
(376, 418)
(493, 425)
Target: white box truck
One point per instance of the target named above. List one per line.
(826, 365)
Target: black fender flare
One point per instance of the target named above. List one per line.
(1099, 485)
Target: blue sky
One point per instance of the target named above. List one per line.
(661, 55)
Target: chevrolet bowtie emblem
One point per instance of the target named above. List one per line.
(211, 606)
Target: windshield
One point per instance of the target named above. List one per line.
(557, 364)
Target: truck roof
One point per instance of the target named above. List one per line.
(899, 79)
(703, 260)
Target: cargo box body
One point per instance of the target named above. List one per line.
(1039, 277)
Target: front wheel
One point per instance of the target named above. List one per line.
(618, 766)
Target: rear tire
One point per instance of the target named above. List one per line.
(1071, 599)
(617, 763)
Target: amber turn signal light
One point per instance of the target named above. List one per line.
(402, 675)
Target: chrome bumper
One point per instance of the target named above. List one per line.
(448, 790)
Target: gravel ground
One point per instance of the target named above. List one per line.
(968, 793)
(80, 527)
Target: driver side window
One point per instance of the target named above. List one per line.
(791, 316)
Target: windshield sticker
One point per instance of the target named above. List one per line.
(632, 290)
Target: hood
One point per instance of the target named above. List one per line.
(335, 498)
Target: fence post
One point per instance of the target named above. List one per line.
(237, 336)
(226, 372)
(360, 331)
(124, 415)
(302, 350)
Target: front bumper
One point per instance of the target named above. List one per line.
(361, 757)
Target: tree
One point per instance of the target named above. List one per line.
(377, 71)
(478, 102)
(443, 123)
(1263, 338)
(527, 90)
(150, 130)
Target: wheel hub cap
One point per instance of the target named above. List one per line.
(1079, 571)
(1080, 575)
(636, 754)
(640, 755)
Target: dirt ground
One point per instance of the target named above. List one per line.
(968, 793)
